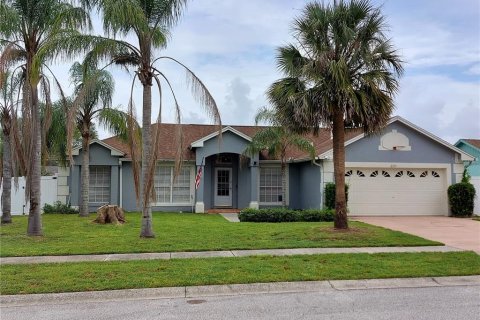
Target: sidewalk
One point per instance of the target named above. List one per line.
(212, 254)
(235, 289)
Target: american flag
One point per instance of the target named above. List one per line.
(198, 177)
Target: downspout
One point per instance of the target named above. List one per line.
(121, 183)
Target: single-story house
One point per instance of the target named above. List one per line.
(472, 147)
(405, 170)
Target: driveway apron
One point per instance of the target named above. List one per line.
(462, 233)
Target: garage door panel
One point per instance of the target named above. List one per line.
(399, 191)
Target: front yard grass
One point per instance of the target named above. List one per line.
(91, 276)
(70, 234)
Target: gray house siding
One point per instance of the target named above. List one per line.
(99, 156)
(424, 149)
(294, 192)
(309, 183)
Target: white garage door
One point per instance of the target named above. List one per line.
(385, 191)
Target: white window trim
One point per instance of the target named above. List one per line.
(192, 187)
(108, 170)
(275, 164)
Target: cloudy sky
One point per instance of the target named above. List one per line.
(231, 46)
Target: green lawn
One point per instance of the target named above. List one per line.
(70, 234)
(89, 276)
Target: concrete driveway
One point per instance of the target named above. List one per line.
(460, 233)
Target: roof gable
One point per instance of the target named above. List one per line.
(474, 143)
(200, 142)
(113, 151)
(464, 156)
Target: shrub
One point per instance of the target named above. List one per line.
(461, 197)
(59, 207)
(330, 195)
(285, 215)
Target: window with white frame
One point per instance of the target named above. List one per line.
(99, 188)
(270, 184)
(166, 191)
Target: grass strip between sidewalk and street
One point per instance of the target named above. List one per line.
(92, 276)
(70, 234)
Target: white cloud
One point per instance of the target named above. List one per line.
(448, 108)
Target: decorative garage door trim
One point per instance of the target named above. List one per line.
(398, 188)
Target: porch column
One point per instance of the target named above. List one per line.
(254, 177)
(199, 204)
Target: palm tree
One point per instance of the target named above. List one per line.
(26, 29)
(276, 140)
(7, 114)
(148, 21)
(94, 90)
(341, 73)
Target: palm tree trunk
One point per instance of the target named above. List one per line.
(340, 220)
(284, 183)
(85, 176)
(7, 180)
(34, 216)
(147, 230)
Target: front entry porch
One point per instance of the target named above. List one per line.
(226, 184)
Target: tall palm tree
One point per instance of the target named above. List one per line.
(276, 140)
(26, 29)
(7, 114)
(148, 21)
(94, 90)
(341, 73)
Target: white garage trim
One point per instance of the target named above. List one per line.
(391, 189)
(394, 165)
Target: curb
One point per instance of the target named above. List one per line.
(236, 289)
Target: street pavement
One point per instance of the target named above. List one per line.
(446, 298)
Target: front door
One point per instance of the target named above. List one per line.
(223, 187)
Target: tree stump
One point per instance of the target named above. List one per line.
(110, 214)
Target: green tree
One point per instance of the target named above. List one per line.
(148, 21)
(93, 90)
(8, 90)
(277, 140)
(342, 72)
(27, 27)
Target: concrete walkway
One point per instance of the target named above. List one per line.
(460, 233)
(232, 217)
(234, 289)
(213, 254)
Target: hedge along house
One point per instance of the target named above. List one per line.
(404, 170)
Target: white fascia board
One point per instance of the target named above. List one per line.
(464, 156)
(113, 151)
(199, 142)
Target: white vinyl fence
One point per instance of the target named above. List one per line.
(49, 193)
(476, 182)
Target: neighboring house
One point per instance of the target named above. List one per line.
(405, 170)
(472, 147)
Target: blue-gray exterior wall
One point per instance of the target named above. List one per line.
(98, 156)
(294, 191)
(309, 185)
(424, 149)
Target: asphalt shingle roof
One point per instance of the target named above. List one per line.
(193, 132)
